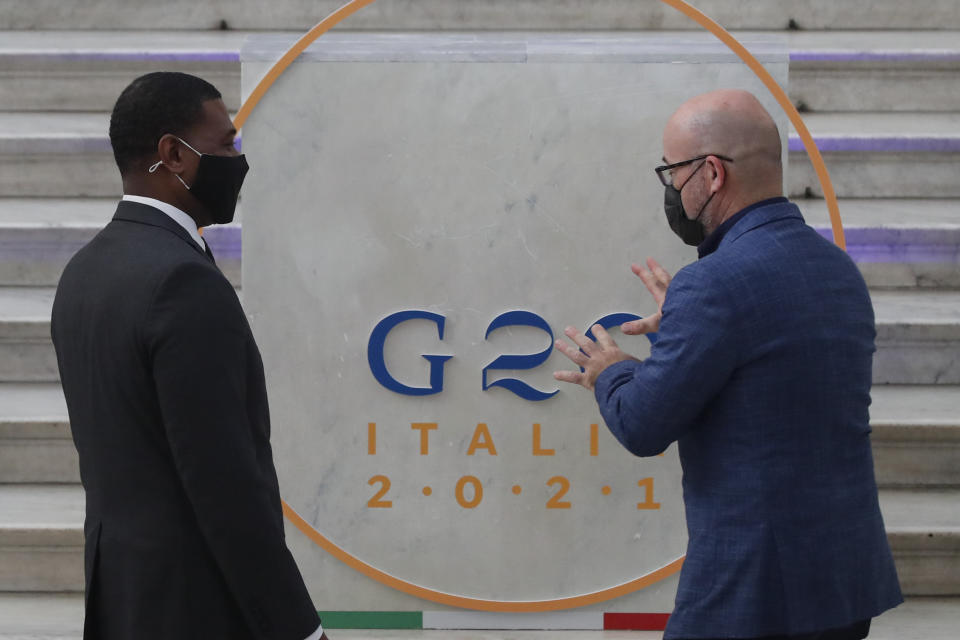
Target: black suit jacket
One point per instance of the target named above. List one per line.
(168, 407)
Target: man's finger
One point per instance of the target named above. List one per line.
(603, 338)
(573, 377)
(650, 324)
(582, 341)
(642, 273)
(650, 281)
(578, 357)
(662, 275)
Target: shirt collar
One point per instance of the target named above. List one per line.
(712, 241)
(181, 218)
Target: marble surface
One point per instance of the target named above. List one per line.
(466, 176)
(603, 48)
(417, 15)
(60, 617)
(931, 175)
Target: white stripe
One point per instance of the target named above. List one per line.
(573, 620)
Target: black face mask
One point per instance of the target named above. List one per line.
(690, 231)
(218, 182)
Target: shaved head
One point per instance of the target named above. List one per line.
(730, 123)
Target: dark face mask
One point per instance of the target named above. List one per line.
(690, 231)
(217, 184)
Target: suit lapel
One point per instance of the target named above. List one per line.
(145, 214)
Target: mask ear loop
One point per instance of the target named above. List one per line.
(153, 168)
(188, 145)
(708, 200)
(697, 219)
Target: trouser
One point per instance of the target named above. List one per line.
(855, 631)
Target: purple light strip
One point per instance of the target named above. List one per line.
(927, 236)
(883, 144)
(865, 250)
(58, 245)
(225, 242)
(865, 245)
(904, 254)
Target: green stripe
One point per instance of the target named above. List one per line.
(372, 619)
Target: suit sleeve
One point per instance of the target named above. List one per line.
(199, 344)
(648, 405)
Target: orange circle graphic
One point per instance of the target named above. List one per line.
(666, 571)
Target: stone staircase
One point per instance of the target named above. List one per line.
(878, 80)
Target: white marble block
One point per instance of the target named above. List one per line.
(463, 177)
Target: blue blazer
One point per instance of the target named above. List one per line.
(762, 373)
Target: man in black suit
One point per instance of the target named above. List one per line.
(166, 394)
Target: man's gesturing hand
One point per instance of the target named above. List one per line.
(657, 280)
(594, 357)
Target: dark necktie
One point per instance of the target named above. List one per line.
(206, 248)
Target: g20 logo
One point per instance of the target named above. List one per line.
(512, 362)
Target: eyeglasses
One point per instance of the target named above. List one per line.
(665, 172)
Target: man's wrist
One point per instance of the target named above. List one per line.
(606, 377)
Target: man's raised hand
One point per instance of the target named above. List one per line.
(656, 280)
(592, 356)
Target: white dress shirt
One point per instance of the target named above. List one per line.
(316, 634)
(185, 221)
(181, 218)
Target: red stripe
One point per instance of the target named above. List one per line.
(635, 621)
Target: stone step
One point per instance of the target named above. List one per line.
(457, 15)
(39, 235)
(34, 616)
(829, 70)
(35, 440)
(41, 538)
(41, 616)
(87, 70)
(918, 336)
(924, 532)
(50, 154)
(896, 243)
(26, 351)
(916, 435)
(880, 155)
(874, 71)
(869, 155)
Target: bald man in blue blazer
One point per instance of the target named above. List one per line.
(761, 372)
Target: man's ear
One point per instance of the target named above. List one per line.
(719, 172)
(170, 152)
